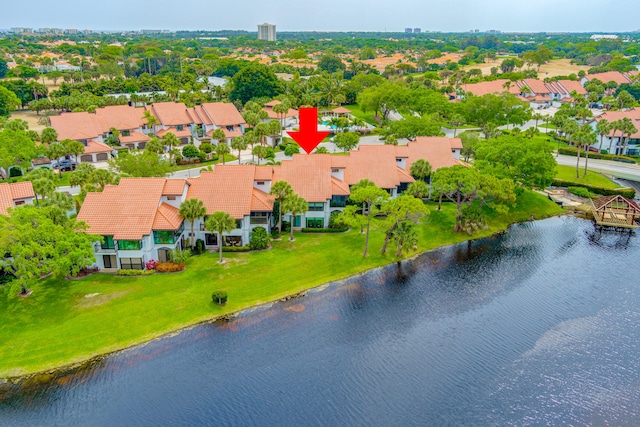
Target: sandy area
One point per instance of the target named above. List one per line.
(29, 117)
(556, 67)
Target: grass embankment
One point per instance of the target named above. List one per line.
(64, 321)
(568, 173)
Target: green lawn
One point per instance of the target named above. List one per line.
(568, 173)
(357, 112)
(65, 321)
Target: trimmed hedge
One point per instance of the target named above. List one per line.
(570, 151)
(629, 193)
(236, 248)
(219, 297)
(325, 230)
(169, 267)
(135, 272)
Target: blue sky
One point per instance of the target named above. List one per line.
(327, 15)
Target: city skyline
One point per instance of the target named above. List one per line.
(332, 15)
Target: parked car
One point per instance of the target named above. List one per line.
(66, 165)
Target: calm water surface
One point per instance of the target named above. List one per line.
(539, 326)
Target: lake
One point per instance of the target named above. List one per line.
(537, 326)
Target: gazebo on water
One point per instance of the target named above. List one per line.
(616, 211)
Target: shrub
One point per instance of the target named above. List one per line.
(570, 151)
(579, 191)
(206, 147)
(291, 149)
(151, 264)
(219, 297)
(259, 239)
(199, 246)
(178, 256)
(169, 267)
(135, 272)
(190, 151)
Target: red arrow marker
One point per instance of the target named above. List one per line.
(308, 137)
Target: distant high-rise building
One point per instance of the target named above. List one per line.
(417, 30)
(267, 32)
(408, 30)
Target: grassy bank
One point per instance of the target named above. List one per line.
(64, 321)
(568, 173)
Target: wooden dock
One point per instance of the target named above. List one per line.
(616, 211)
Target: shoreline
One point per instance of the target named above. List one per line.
(45, 374)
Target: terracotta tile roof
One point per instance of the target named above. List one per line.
(126, 211)
(272, 103)
(195, 117)
(402, 151)
(171, 113)
(167, 218)
(536, 86)
(184, 133)
(9, 193)
(174, 187)
(374, 162)
(264, 173)
(569, 86)
(223, 113)
(232, 133)
(308, 175)
(341, 110)
(134, 137)
(434, 149)
(611, 116)
(273, 115)
(121, 117)
(339, 161)
(77, 126)
(608, 76)
(93, 147)
(229, 188)
(261, 201)
(339, 188)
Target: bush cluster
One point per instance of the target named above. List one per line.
(570, 151)
(580, 191)
(135, 272)
(169, 267)
(629, 193)
(219, 297)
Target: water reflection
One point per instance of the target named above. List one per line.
(526, 328)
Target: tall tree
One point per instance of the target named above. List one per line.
(222, 150)
(295, 205)
(254, 81)
(170, 140)
(191, 210)
(219, 136)
(239, 143)
(220, 222)
(346, 140)
(281, 190)
(399, 210)
(369, 196)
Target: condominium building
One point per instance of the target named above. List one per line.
(267, 32)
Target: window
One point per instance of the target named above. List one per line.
(335, 170)
(259, 182)
(259, 218)
(230, 128)
(129, 245)
(211, 239)
(131, 263)
(19, 202)
(171, 197)
(108, 243)
(125, 133)
(399, 160)
(338, 201)
(315, 222)
(316, 206)
(180, 127)
(238, 223)
(164, 236)
(297, 220)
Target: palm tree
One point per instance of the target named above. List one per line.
(537, 117)
(222, 150)
(49, 135)
(628, 129)
(282, 190)
(150, 119)
(259, 151)
(261, 131)
(456, 121)
(220, 222)
(275, 131)
(615, 125)
(295, 205)
(190, 210)
(239, 143)
(281, 109)
(421, 169)
(603, 127)
(219, 136)
(251, 138)
(170, 139)
(54, 152)
(406, 237)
